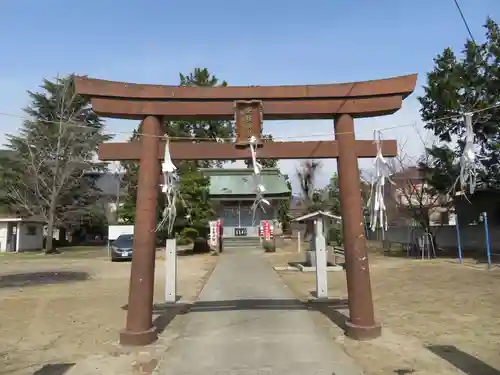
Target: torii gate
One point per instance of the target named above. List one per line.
(249, 106)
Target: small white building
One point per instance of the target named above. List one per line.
(20, 234)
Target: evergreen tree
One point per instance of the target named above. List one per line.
(284, 208)
(193, 185)
(333, 195)
(202, 130)
(44, 175)
(196, 210)
(456, 86)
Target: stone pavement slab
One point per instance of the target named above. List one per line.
(246, 321)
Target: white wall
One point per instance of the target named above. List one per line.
(27, 241)
(3, 237)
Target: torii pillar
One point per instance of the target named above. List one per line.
(361, 324)
(139, 328)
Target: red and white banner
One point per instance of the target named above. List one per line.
(267, 230)
(219, 228)
(214, 232)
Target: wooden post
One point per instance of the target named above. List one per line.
(139, 329)
(361, 324)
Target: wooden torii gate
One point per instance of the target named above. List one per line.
(249, 106)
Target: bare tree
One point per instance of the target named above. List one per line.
(410, 198)
(306, 175)
(53, 151)
(312, 198)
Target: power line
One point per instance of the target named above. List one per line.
(484, 59)
(464, 21)
(207, 139)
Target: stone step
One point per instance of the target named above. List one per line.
(241, 242)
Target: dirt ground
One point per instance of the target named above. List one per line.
(56, 324)
(439, 317)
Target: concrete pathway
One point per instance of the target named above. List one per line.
(246, 321)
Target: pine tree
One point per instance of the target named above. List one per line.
(284, 208)
(456, 86)
(44, 176)
(193, 185)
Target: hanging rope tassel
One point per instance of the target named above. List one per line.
(468, 160)
(260, 189)
(376, 204)
(169, 189)
(172, 194)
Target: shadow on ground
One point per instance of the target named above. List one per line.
(463, 361)
(308, 264)
(404, 371)
(54, 369)
(167, 312)
(190, 252)
(41, 278)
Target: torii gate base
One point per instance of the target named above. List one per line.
(249, 105)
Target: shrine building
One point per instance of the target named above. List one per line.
(233, 194)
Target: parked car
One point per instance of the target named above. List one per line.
(121, 248)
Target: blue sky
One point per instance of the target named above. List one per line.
(246, 43)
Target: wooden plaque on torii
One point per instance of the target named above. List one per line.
(248, 119)
(249, 106)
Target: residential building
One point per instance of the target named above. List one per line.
(19, 234)
(113, 191)
(408, 197)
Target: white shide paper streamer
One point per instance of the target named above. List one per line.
(260, 189)
(376, 204)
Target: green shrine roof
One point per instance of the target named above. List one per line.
(240, 182)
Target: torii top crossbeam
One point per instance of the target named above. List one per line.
(359, 99)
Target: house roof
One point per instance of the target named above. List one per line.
(109, 183)
(316, 214)
(240, 182)
(410, 173)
